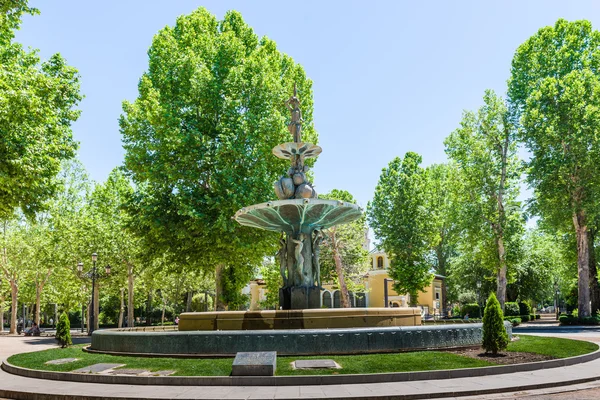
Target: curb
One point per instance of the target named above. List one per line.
(307, 380)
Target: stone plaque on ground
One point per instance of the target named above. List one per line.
(97, 368)
(312, 364)
(162, 373)
(260, 363)
(129, 371)
(62, 361)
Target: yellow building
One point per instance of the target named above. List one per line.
(376, 280)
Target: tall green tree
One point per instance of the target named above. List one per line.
(400, 220)
(343, 256)
(485, 149)
(198, 140)
(37, 108)
(554, 91)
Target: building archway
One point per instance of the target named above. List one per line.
(336, 299)
(326, 299)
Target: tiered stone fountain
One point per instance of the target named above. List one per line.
(300, 216)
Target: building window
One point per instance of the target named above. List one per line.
(336, 299)
(437, 295)
(379, 262)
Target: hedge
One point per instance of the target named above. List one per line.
(472, 309)
(511, 309)
(524, 308)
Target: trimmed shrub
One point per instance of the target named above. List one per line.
(495, 338)
(524, 318)
(515, 321)
(524, 308)
(531, 317)
(63, 331)
(511, 309)
(472, 309)
(538, 316)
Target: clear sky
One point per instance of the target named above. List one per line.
(389, 76)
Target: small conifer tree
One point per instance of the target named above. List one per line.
(63, 331)
(495, 337)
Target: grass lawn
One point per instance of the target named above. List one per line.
(555, 347)
(360, 364)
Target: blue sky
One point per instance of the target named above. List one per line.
(389, 76)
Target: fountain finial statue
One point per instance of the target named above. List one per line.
(295, 125)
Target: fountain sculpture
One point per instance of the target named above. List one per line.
(300, 217)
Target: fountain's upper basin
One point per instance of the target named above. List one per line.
(298, 215)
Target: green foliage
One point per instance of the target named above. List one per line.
(198, 141)
(511, 309)
(63, 331)
(347, 241)
(495, 338)
(37, 108)
(400, 220)
(575, 320)
(554, 91)
(525, 318)
(472, 309)
(272, 277)
(485, 149)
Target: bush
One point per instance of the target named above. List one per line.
(524, 308)
(472, 309)
(511, 309)
(495, 337)
(574, 320)
(531, 317)
(63, 331)
(524, 318)
(538, 316)
(515, 321)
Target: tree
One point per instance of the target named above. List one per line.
(198, 142)
(485, 149)
(555, 91)
(442, 204)
(343, 255)
(63, 331)
(399, 219)
(37, 108)
(272, 277)
(495, 338)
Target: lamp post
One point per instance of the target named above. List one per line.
(93, 275)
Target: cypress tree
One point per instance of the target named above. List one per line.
(495, 337)
(63, 331)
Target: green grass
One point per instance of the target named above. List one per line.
(550, 346)
(360, 364)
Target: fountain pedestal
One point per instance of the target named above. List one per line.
(299, 298)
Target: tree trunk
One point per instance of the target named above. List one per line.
(38, 301)
(162, 319)
(594, 288)
(583, 270)
(188, 304)
(339, 269)
(501, 277)
(220, 304)
(14, 295)
(122, 309)
(130, 294)
(97, 307)
(149, 309)
(1, 314)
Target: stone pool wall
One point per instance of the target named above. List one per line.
(289, 341)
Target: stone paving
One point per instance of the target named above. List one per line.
(10, 385)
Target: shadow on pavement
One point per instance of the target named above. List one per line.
(50, 340)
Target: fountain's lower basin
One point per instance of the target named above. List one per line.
(172, 343)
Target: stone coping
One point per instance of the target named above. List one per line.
(299, 380)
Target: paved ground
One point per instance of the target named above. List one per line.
(55, 389)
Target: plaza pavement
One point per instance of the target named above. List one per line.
(514, 385)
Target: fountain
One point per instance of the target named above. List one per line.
(300, 217)
(300, 326)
